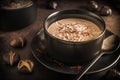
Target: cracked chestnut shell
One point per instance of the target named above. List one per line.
(11, 58)
(25, 66)
(17, 42)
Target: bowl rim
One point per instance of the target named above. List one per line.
(68, 10)
(26, 6)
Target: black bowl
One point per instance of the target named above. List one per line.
(13, 19)
(73, 53)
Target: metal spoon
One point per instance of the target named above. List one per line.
(110, 45)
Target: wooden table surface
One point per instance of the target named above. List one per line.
(40, 72)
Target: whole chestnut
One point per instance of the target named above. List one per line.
(92, 6)
(105, 11)
(52, 4)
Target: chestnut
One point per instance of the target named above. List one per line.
(105, 11)
(11, 58)
(92, 6)
(25, 66)
(52, 4)
(17, 42)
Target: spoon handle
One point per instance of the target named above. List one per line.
(87, 67)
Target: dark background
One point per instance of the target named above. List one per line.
(40, 72)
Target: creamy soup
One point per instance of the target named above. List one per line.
(74, 29)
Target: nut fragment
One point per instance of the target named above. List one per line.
(92, 6)
(11, 58)
(18, 42)
(52, 4)
(105, 11)
(25, 66)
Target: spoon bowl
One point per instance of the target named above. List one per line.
(110, 44)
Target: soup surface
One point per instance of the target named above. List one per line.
(74, 29)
